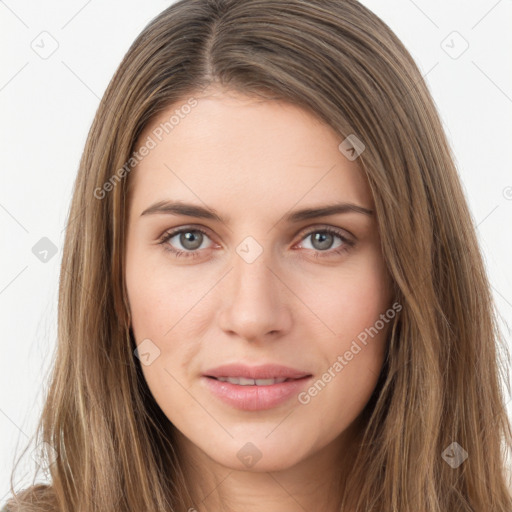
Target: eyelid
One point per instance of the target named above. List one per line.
(186, 227)
(326, 227)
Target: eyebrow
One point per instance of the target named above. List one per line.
(192, 210)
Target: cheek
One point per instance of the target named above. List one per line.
(147, 304)
(165, 305)
(161, 306)
(158, 295)
(355, 304)
(350, 299)
(353, 358)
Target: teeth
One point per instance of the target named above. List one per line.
(242, 381)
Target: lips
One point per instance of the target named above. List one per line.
(255, 373)
(255, 388)
(242, 381)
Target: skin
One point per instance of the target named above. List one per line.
(254, 161)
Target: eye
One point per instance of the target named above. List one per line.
(192, 240)
(323, 239)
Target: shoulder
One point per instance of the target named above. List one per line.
(38, 495)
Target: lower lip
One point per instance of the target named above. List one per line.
(255, 398)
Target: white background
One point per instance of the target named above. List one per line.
(48, 105)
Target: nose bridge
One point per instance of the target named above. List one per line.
(251, 262)
(252, 306)
(254, 284)
(253, 277)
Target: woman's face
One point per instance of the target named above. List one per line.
(266, 285)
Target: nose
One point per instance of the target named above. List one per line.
(255, 302)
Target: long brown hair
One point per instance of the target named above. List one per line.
(440, 383)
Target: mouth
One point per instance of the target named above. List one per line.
(243, 381)
(260, 375)
(253, 393)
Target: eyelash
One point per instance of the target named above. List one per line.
(347, 244)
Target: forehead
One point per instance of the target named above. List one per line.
(254, 152)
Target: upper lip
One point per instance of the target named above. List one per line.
(266, 371)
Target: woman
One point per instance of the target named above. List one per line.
(271, 296)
